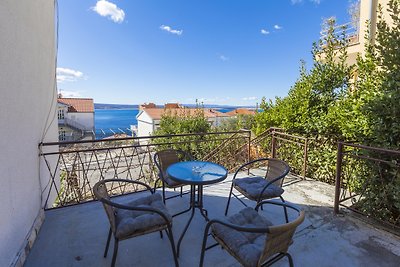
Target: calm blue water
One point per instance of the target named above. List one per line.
(115, 120)
(108, 120)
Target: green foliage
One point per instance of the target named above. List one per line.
(240, 122)
(185, 122)
(384, 108)
(308, 106)
(333, 101)
(382, 65)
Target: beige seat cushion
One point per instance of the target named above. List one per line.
(246, 246)
(129, 222)
(251, 187)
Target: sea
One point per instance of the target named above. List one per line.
(118, 121)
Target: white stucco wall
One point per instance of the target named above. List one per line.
(61, 108)
(28, 98)
(145, 124)
(144, 128)
(84, 119)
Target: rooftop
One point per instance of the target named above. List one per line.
(157, 113)
(78, 104)
(241, 111)
(76, 235)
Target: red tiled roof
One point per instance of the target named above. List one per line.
(78, 104)
(157, 113)
(172, 105)
(241, 111)
(147, 105)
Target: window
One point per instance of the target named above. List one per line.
(61, 135)
(60, 114)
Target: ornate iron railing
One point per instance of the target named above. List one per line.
(76, 166)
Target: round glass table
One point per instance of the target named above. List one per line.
(196, 174)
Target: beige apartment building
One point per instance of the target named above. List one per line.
(365, 20)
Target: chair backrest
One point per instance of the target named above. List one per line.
(280, 237)
(163, 159)
(101, 192)
(276, 169)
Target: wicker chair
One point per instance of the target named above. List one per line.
(251, 238)
(139, 217)
(263, 179)
(163, 159)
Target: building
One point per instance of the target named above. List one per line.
(149, 118)
(364, 21)
(75, 118)
(241, 111)
(28, 117)
(147, 105)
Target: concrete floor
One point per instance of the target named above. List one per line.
(76, 236)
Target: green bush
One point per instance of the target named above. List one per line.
(185, 122)
(334, 102)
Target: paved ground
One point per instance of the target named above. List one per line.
(76, 236)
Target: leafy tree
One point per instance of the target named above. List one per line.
(306, 109)
(241, 121)
(380, 72)
(385, 109)
(184, 121)
(344, 103)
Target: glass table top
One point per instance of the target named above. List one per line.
(197, 172)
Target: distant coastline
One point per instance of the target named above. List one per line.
(123, 106)
(113, 119)
(114, 106)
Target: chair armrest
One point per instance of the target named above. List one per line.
(237, 227)
(121, 206)
(130, 182)
(268, 184)
(247, 164)
(278, 229)
(277, 203)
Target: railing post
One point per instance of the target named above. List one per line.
(339, 160)
(305, 158)
(273, 143)
(249, 141)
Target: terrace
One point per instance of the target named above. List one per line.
(48, 216)
(75, 229)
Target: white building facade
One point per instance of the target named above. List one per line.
(149, 118)
(75, 118)
(27, 118)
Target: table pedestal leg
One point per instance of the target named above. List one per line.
(194, 204)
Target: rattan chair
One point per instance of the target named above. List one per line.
(139, 217)
(251, 238)
(163, 159)
(258, 180)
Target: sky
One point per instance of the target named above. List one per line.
(226, 52)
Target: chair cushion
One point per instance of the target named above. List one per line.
(131, 222)
(246, 246)
(169, 182)
(251, 187)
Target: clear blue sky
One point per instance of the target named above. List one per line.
(229, 52)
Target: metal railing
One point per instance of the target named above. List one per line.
(70, 136)
(76, 166)
(368, 175)
(351, 33)
(296, 152)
